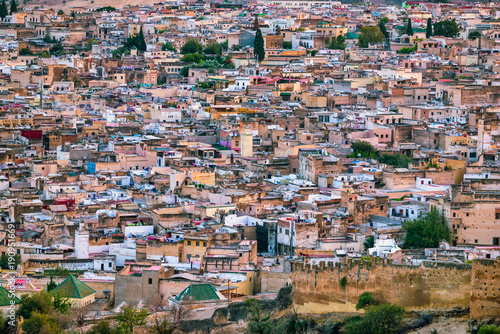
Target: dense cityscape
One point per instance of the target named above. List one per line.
(249, 166)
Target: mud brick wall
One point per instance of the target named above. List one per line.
(428, 286)
(485, 294)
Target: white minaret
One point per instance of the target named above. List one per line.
(82, 244)
(246, 143)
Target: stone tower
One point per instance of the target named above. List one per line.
(246, 143)
(82, 244)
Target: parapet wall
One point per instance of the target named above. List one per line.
(429, 286)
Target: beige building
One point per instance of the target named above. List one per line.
(473, 215)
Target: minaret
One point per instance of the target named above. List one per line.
(81, 244)
(246, 143)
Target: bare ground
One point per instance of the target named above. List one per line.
(445, 325)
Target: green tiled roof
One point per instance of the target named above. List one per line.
(6, 297)
(351, 35)
(198, 293)
(71, 287)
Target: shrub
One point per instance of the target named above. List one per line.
(366, 299)
(343, 282)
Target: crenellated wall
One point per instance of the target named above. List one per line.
(429, 286)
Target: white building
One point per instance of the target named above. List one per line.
(384, 247)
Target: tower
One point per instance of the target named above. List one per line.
(82, 244)
(246, 143)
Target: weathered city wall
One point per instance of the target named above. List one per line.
(429, 286)
(273, 281)
(485, 289)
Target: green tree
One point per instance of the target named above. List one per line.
(343, 282)
(287, 45)
(213, 49)
(141, 41)
(370, 34)
(235, 47)
(369, 242)
(13, 7)
(397, 160)
(381, 25)
(489, 329)
(278, 30)
(89, 43)
(51, 285)
(428, 32)
(191, 46)
(61, 304)
(409, 29)
(40, 303)
(41, 324)
(383, 319)
(131, 317)
(184, 71)
(106, 9)
(4, 259)
(192, 58)
(365, 299)
(118, 52)
(137, 40)
(337, 43)
(258, 45)
(56, 49)
(258, 322)
(446, 28)
(224, 45)
(4, 324)
(426, 231)
(102, 327)
(474, 35)
(60, 12)
(406, 50)
(43, 303)
(25, 52)
(362, 149)
(167, 47)
(228, 62)
(4, 11)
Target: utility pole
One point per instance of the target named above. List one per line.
(41, 94)
(228, 298)
(291, 238)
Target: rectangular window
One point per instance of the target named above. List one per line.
(197, 243)
(150, 281)
(189, 243)
(204, 244)
(496, 241)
